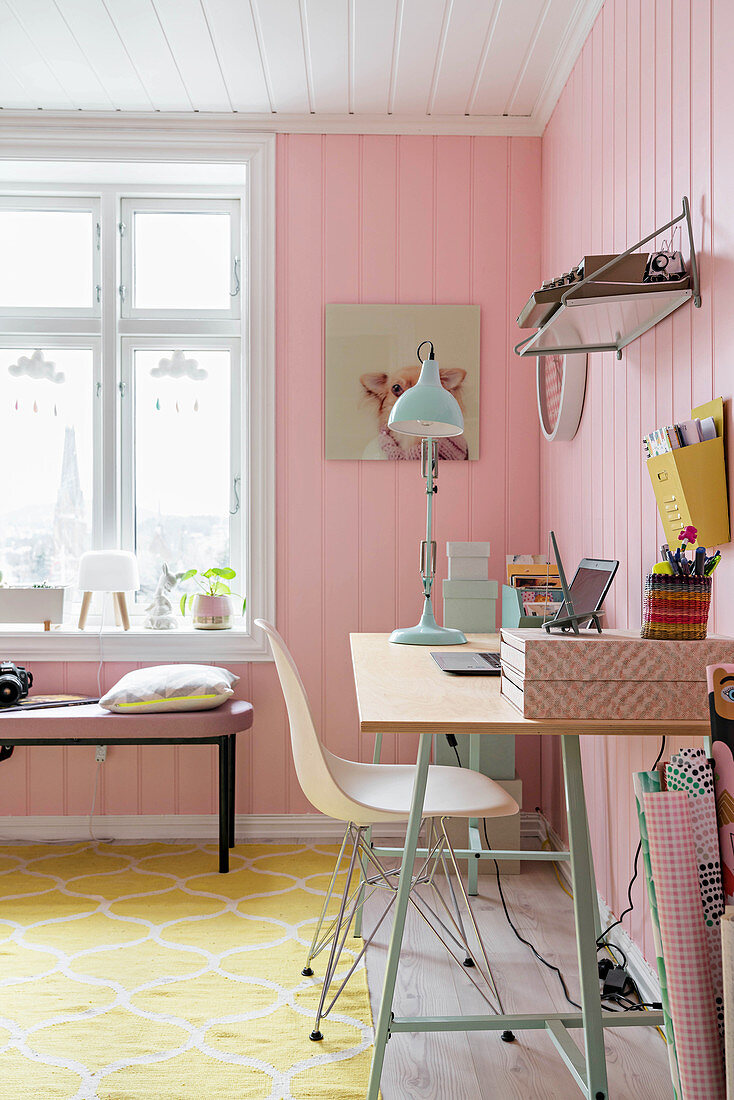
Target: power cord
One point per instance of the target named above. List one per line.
(521, 938)
(601, 942)
(454, 745)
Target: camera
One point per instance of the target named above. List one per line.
(15, 683)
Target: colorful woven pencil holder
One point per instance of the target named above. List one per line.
(675, 607)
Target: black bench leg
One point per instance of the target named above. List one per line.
(223, 806)
(232, 777)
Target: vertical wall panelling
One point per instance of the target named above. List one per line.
(644, 118)
(406, 219)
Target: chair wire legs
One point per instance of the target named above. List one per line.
(444, 917)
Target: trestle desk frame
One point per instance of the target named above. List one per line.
(400, 690)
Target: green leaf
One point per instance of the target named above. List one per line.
(244, 604)
(182, 605)
(224, 571)
(187, 575)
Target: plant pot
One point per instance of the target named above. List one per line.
(212, 612)
(32, 605)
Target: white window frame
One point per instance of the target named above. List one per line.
(197, 205)
(59, 203)
(152, 144)
(238, 441)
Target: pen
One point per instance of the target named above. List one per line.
(664, 552)
(674, 563)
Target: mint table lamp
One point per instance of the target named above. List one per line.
(431, 412)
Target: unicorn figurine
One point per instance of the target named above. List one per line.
(160, 612)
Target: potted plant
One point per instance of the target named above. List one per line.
(212, 605)
(37, 603)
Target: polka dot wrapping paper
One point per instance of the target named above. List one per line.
(682, 932)
(690, 771)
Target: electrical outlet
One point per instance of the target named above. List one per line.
(100, 754)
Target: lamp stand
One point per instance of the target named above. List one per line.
(427, 631)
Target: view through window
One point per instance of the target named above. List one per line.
(126, 431)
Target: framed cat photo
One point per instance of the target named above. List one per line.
(371, 360)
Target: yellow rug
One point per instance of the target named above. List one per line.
(136, 972)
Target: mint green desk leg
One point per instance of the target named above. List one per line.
(368, 839)
(586, 917)
(473, 840)
(382, 1030)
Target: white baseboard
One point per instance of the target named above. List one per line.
(285, 827)
(639, 968)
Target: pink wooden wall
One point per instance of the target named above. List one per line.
(644, 118)
(359, 219)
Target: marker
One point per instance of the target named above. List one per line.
(664, 552)
(700, 561)
(708, 569)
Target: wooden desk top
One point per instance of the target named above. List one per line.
(401, 689)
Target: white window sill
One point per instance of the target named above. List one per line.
(67, 643)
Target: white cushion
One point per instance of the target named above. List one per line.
(170, 687)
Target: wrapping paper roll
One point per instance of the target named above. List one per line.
(689, 771)
(727, 950)
(643, 783)
(721, 709)
(690, 989)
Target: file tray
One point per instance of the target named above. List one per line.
(690, 485)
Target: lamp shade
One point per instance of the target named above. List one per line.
(108, 571)
(427, 409)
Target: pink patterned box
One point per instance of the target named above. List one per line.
(614, 675)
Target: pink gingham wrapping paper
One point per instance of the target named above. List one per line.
(687, 964)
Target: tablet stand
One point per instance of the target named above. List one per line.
(573, 619)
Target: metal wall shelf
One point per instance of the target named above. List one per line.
(611, 322)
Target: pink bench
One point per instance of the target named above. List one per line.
(90, 724)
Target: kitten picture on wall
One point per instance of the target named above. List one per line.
(371, 360)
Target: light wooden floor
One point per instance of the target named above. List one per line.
(479, 1066)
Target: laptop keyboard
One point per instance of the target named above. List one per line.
(492, 659)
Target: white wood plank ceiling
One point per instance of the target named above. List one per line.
(300, 64)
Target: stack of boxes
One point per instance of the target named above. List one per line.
(469, 604)
(469, 597)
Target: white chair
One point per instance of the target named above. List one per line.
(363, 795)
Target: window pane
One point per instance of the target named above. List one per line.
(46, 258)
(182, 261)
(182, 473)
(46, 453)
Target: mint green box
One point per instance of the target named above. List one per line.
(470, 606)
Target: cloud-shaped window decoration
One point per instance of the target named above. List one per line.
(36, 367)
(178, 366)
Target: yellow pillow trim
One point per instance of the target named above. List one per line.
(168, 699)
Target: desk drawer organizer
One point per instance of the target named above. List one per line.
(614, 675)
(675, 607)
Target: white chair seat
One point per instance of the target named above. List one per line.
(383, 791)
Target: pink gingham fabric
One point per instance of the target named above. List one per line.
(687, 963)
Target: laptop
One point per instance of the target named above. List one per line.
(469, 664)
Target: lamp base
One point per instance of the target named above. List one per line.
(428, 632)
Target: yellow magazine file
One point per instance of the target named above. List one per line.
(690, 484)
